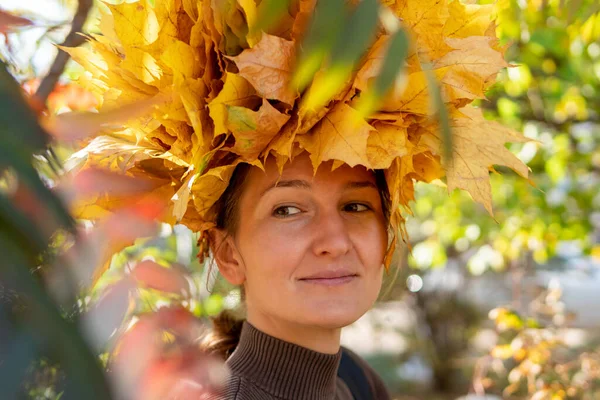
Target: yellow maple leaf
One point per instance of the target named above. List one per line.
(268, 66)
(118, 154)
(372, 63)
(425, 20)
(191, 8)
(253, 130)
(427, 167)
(468, 20)
(208, 187)
(478, 144)
(142, 65)
(385, 143)
(182, 59)
(281, 145)
(181, 198)
(470, 68)
(251, 14)
(342, 134)
(135, 24)
(414, 96)
(237, 91)
(193, 92)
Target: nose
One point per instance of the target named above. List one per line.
(331, 235)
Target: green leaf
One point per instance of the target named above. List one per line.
(270, 13)
(61, 338)
(441, 113)
(21, 228)
(18, 122)
(392, 66)
(20, 161)
(357, 35)
(325, 27)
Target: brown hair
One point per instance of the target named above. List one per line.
(225, 334)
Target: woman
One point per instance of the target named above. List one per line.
(308, 251)
(307, 245)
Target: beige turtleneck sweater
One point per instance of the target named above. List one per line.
(264, 368)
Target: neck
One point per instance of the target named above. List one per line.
(322, 340)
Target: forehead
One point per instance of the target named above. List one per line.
(301, 168)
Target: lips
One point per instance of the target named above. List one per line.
(331, 278)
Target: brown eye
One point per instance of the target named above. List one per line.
(286, 211)
(355, 207)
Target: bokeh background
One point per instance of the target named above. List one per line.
(502, 307)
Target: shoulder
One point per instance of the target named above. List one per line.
(378, 387)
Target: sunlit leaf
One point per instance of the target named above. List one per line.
(325, 27)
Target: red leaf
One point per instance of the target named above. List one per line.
(152, 275)
(145, 367)
(186, 375)
(111, 235)
(27, 202)
(91, 182)
(73, 97)
(106, 316)
(8, 22)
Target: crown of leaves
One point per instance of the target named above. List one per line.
(228, 97)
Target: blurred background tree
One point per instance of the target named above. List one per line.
(431, 334)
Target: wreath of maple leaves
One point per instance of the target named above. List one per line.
(223, 96)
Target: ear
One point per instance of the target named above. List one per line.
(227, 257)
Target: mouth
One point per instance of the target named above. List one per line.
(330, 280)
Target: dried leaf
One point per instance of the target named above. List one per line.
(478, 145)
(385, 143)
(207, 189)
(471, 67)
(253, 130)
(341, 135)
(425, 19)
(414, 97)
(181, 198)
(73, 126)
(231, 99)
(468, 19)
(142, 64)
(268, 67)
(388, 70)
(135, 23)
(191, 8)
(182, 59)
(237, 91)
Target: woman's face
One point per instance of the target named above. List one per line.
(310, 247)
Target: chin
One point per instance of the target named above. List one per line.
(335, 316)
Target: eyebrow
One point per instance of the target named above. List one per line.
(301, 184)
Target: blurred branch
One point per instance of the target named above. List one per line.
(73, 39)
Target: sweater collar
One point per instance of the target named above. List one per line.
(284, 369)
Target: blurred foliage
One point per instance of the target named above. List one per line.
(552, 94)
(532, 358)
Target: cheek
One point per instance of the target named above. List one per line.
(370, 242)
(271, 249)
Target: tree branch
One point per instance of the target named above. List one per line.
(73, 39)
